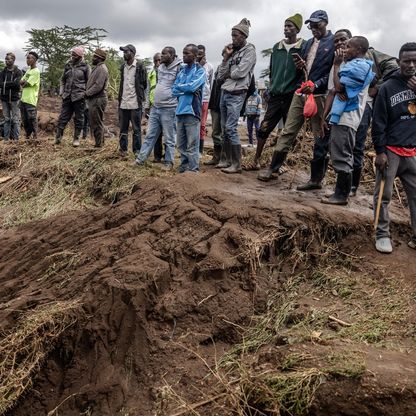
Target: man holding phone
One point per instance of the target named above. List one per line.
(284, 77)
(315, 59)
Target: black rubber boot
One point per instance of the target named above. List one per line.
(201, 147)
(342, 190)
(356, 177)
(58, 135)
(225, 157)
(216, 155)
(235, 160)
(277, 161)
(318, 171)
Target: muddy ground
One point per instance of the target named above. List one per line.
(206, 294)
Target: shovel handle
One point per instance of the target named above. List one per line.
(379, 199)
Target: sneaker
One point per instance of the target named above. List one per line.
(383, 245)
(412, 243)
(75, 143)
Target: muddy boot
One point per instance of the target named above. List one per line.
(318, 171)
(235, 160)
(277, 161)
(77, 133)
(216, 156)
(342, 190)
(201, 147)
(58, 135)
(225, 157)
(356, 176)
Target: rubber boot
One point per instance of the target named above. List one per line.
(277, 161)
(201, 147)
(318, 171)
(225, 157)
(58, 135)
(77, 133)
(342, 190)
(356, 176)
(235, 160)
(216, 156)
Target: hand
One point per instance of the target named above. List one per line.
(339, 57)
(227, 51)
(342, 96)
(324, 128)
(372, 92)
(308, 90)
(381, 162)
(299, 62)
(412, 83)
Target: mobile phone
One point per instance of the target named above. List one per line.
(297, 57)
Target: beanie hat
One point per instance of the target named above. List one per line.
(78, 50)
(243, 27)
(101, 54)
(297, 20)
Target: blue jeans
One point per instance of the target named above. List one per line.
(230, 106)
(361, 137)
(11, 115)
(188, 142)
(162, 119)
(253, 121)
(135, 117)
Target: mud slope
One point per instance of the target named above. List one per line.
(156, 278)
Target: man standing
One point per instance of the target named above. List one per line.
(236, 71)
(96, 94)
(30, 84)
(284, 77)
(150, 98)
(394, 139)
(10, 94)
(72, 91)
(162, 112)
(383, 66)
(133, 84)
(252, 113)
(316, 59)
(350, 84)
(209, 71)
(188, 87)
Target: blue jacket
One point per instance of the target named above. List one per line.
(322, 64)
(188, 87)
(355, 75)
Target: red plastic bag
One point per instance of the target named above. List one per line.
(310, 108)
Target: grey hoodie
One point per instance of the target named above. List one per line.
(236, 72)
(166, 76)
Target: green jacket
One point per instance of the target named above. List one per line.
(283, 74)
(383, 65)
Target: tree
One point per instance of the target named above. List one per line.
(2, 65)
(265, 53)
(54, 45)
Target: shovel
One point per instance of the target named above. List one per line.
(379, 199)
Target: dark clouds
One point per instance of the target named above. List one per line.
(152, 24)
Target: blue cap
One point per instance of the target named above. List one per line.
(318, 16)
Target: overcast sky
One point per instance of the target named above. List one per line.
(152, 24)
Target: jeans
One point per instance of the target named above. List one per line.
(188, 142)
(216, 127)
(253, 121)
(29, 115)
(230, 106)
(11, 120)
(161, 119)
(69, 108)
(135, 117)
(361, 137)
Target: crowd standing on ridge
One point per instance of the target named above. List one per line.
(336, 80)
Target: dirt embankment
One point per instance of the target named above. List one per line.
(124, 310)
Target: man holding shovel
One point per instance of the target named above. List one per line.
(394, 139)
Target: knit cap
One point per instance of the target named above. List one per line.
(243, 27)
(78, 50)
(297, 20)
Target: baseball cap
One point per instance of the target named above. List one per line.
(128, 47)
(317, 16)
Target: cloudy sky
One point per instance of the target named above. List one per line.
(152, 24)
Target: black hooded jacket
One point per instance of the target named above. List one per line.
(10, 84)
(394, 115)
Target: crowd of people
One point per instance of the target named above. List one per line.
(336, 80)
